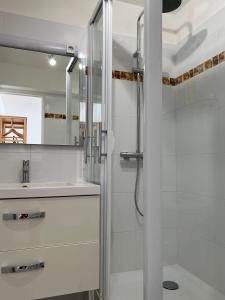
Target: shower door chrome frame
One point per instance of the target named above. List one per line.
(104, 7)
(152, 150)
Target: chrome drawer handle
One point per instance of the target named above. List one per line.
(22, 268)
(23, 216)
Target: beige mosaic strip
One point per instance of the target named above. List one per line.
(208, 64)
(59, 116)
(130, 76)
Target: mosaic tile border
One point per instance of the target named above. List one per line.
(121, 75)
(208, 64)
(59, 116)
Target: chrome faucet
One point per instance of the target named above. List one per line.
(26, 171)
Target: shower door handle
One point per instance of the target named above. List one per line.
(100, 153)
(86, 145)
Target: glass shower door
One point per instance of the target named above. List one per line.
(98, 148)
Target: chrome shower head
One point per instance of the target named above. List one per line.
(171, 5)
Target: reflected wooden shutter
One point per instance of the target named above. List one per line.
(13, 130)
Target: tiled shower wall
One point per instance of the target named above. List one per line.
(168, 177)
(193, 151)
(199, 110)
(127, 228)
(200, 146)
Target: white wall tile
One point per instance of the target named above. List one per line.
(123, 175)
(124, 98)
(216, 222)
(123, 50)
(168, 99)
(193, 214)
(47, 163)
(140, 249)
(169, 244)
(215, 274)
(169, 210)
(168, 133)
(56, 166)
(123, 212)
(124, 249)
(200, 146)
(168, 173)
(124, 129)
(207, 86)
(193, 252)
(11, 165)
(199, 106)
(200, 128)
(201, 174)
(127, 226)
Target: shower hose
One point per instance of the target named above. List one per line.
(137, 181)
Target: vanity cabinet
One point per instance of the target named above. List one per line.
(49, 246)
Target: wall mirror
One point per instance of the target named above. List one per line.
(40, 101)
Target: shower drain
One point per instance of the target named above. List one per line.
(170, 285)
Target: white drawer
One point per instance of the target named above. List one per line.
(68, 269)
(68, 220)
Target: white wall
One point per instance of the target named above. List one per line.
(168, 177)
(73, 12)
(127, 229)
(47, 163)
(125, 17)
(200, 143)
(27, 107)
(202, 43)
(199, 109)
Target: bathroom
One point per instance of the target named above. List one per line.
(112, 150)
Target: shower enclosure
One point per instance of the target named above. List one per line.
(183, 154)
(98, 157)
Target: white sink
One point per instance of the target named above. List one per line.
(47, 189)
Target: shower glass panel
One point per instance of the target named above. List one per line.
(193, 152)
(96, 91)
(98, 142)
(127, 164)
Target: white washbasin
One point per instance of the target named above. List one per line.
(47, 189)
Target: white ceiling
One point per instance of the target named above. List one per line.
(78, 13)
(141, 2)
(72, 12)
(136, 2)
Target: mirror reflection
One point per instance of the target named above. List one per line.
(40, 102)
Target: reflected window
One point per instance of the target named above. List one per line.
(13, 130)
